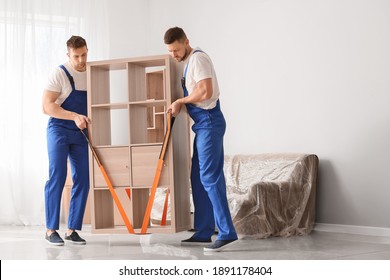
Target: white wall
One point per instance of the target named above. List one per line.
(295, 76)
(128, 27)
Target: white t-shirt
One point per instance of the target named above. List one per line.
(59, 82)
(200, 67)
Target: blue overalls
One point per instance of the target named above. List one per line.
(64, 140)
(207, 177)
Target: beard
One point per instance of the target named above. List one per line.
(186, 54)
(81, 67)
(184, 57)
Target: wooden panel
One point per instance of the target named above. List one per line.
(155, 115)
(156, 127)
(136, 82)
(100, 127)
(144, 162)
(140, 201)
(155, 85)
(145, 61)
(116, 163)
(103, 209)
(122, 105)
(138, 124)
(99, 85)
(181, 153)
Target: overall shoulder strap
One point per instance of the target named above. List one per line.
(185, 69)
(68, 75)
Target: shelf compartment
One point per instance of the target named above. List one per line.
(141, 121)
(140, 201)
(110, 124)
(155, 85)
(106, 214)
(108, 83)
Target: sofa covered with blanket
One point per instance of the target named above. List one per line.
(272, 194)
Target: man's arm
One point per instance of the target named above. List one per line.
(203, 91)
(52, 109)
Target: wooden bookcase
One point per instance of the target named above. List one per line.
(127, 101)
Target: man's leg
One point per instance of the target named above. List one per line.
(203, 215)
(78, 156)
(211, 160)
(58, 153)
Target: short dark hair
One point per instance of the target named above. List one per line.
(76, 42)
(174, 34)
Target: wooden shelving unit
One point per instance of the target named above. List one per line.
(127, 101)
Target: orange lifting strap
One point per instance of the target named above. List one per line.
(156, 180)
(111, 188)
(164, 215)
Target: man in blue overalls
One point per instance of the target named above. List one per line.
(65, 101)
(201, 97)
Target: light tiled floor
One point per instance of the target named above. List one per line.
(25, 243)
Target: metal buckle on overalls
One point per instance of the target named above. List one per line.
(183, 82)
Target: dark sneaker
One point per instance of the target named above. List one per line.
(75, 238)
(54, 239)
(192, 241)
(219, 245)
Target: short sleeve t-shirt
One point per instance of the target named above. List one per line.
(200, 67)
(59, 82)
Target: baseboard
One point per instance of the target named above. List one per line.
(375, 231)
